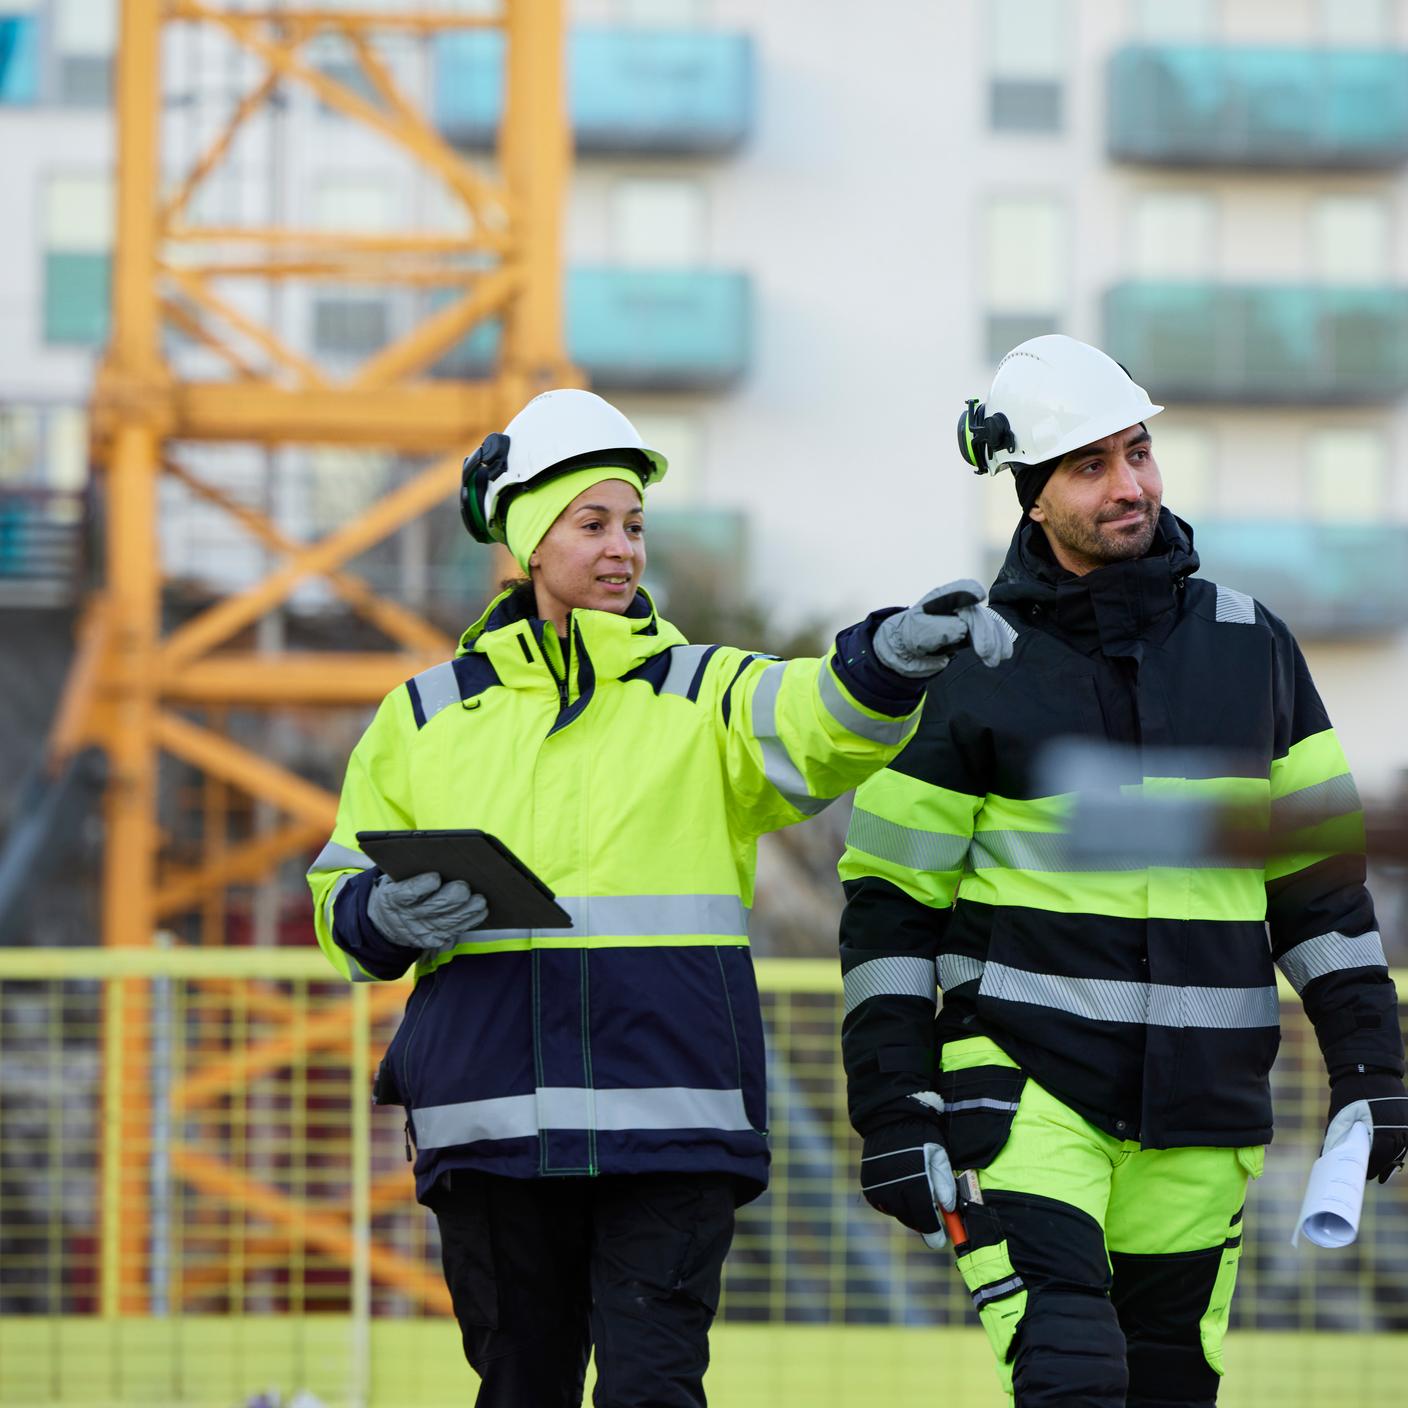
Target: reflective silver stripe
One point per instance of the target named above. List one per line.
(778, 767)
(1336, 796)
(1049, 851)
(1152, 1004)
(897, 976)
(1230, 1009)
(330, 903)
(1029, 850)
(684, 661)
(570, 1107)
(849, 717)
(1331, 953)
(956, 969)
(1008, 627)
(639, 916)
(983, 1103)
(438, 688)
(335, 857)
(1235, 607)
(986, 1294)
(905, 845)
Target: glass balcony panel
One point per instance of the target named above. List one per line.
(649, 90)
(76, 295)
(19, 59)
(1267, 344)
(643, 329)
(1210, 105)
(1325, 579)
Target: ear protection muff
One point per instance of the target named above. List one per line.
(480, 470)
(981, 435)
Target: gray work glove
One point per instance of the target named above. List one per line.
(905, 1172)
(420, 912)
(921, 640)
(1378, 1101)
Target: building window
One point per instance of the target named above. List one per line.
(658, 222)
(352, 205)
(351, 326)
(1024, 279)
(1347, 475)
(670, 14)
(85, 35)
(20, 441)
(1349, 239)
(19, 58)
(680, 438)
(1184, 454)
(66, 454)
(77, 265)
(1173, 236)
(1356, 23)
(1028, 49)
(1174, 21)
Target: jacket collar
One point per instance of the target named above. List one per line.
(1111, 609)
(520, 644)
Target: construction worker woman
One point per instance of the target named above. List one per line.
(1099, 1071)
(588, 1105)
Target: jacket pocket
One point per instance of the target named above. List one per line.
(980, 1104)
(395, 1081)
(745, 1019)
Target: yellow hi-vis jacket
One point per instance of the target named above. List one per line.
(634, 777)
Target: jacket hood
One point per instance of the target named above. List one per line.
(615, 643)
(1121, 602)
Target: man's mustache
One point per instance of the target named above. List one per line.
(1147, 508)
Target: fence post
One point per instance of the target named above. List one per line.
(359, 1392)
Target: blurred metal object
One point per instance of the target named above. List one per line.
(1121, 818)
(171, 272)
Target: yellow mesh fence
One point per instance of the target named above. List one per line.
(197, 1207)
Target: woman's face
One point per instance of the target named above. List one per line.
(593, 555)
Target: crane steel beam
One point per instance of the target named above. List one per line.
(133, 676)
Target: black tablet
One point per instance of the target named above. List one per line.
(517, 898)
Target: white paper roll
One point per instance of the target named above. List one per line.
(1334, 1193)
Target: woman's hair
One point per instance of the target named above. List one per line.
(509, 584)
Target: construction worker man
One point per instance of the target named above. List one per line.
(1106, 1035)
(589, 1104)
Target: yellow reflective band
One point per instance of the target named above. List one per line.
(1298, 850)
(1044, 814)
(634, 941)
(1314, 759)
(920, 805)
(1156, 893)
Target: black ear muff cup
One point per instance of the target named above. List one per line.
(480, 470)
(981, 435)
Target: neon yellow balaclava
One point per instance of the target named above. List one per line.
(535, 510)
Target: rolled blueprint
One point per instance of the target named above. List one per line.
(1334, 1193)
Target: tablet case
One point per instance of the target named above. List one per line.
(517, 898)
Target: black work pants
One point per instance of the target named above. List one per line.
(541, 1270)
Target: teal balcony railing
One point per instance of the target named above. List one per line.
(644, 330)
(1324, 578)
(1206, 105)
(19, 59)
(647, 90)
(1265, 344)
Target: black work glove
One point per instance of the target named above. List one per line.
(1376, 1099)
(904, 1172)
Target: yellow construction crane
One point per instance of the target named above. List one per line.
(133, 686)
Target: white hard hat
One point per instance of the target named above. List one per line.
(1051, 395)
(554, 432)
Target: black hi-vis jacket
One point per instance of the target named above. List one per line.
(1145, 998)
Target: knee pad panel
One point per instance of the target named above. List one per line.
(1069, 1349)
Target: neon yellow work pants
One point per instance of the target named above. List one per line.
(1102, 1272)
